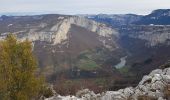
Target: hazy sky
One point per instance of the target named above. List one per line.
(83, 6)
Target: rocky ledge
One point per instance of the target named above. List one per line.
(155, 86)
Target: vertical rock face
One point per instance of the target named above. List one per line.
(59, 40)
(100, 29)
(154, 35)
(55, 32)
(152, 86)
(63, 29)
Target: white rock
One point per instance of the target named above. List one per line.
(167, 71)
(145, 79)
(157, 71)
(158, 85)
(113, 95)
(63, 98)
(161, 98)
(143, 88)
(155, 94)
(128, 91)
(62, 31)
(166, 78)
(152, 86)
(156, 77)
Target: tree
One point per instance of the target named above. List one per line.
(18, 79)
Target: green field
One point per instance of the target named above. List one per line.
(87, 65)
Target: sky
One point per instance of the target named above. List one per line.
(141, 7)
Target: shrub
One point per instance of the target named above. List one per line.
(17, 71)
(70, 87)
(47, 92)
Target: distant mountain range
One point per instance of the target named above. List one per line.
(115, 20)
(157, 17)
(90, 46)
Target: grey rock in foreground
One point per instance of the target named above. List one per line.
(151, 85)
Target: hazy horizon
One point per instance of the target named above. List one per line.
(72, 7)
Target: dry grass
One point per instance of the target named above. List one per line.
(70, 87)
(167, 92)
(145, 97)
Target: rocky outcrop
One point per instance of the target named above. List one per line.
(61, 31)
(152, 86)
(154, 35)
(57, 31)
(59, 40)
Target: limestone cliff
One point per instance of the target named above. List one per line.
(56, 32)
(59, 40)
(154, 35)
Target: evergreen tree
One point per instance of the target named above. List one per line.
(18, 80)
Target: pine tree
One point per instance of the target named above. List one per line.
(18, 80)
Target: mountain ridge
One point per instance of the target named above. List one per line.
(59, 40)
(76, 48)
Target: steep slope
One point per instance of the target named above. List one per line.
(154, 86)
(60, 41)
(50, 28)
(147, 46)
(145, 39)
(153, 35)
